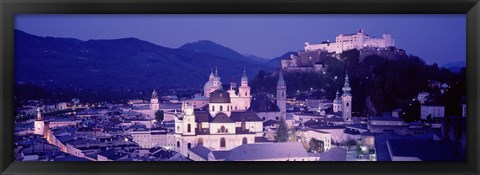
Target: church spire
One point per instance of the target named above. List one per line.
(216, 71)
(244, 76)
(280, 78)
(154, 94)
(39, 115)
(346, 87)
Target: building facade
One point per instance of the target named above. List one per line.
(357, 40)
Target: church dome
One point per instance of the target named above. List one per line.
(219, 96)
(337, 101)
(208, 85)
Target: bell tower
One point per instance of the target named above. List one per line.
(282, 96)
(39, 123)
(154, 104)
(346, 100)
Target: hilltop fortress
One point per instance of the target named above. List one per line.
(313, 56)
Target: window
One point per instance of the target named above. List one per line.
(223, 143)
(223, 129)
(178, 144)
(245, 94)
(189, 145)
(221, 108)
(200, 141)
(244, 140)
(213, 108)
(244, 125)
(348, 104)
(228, 108)
(189, 128)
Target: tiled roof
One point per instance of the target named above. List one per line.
(262, 103)
(222, 118)
(245, 116)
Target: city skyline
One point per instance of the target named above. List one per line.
(266, 36)
(360, 96)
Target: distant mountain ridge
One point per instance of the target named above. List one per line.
(127, 63)
(210, 47)
(455, 66)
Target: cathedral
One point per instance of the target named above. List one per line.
(240, 100)
(226, 123)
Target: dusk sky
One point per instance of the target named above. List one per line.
(435, 38)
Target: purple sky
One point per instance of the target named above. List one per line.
(435, 38)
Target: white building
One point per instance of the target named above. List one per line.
(154, 138)
(239, 101)
(357, 40)
(325, 137)
(435, 111)
(219, 128)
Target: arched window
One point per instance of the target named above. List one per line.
(348, 104)
(246, 94)
(189, 145)
(200, 141)
(221, 108)
(244, 140)
(178, 144)
(213, 108)
(223, 143)
(189, 128)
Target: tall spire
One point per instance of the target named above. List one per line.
(216, 71)
(154, 94)
(212, 76)
(346, 87)
(280, 78)
(39, 114)
(244, 76)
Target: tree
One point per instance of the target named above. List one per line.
(282, 131)
(159, 116)
(351, 143)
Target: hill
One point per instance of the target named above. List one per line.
(127, 63)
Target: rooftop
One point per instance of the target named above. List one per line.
(266, 151)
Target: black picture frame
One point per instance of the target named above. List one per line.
(8, 9)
